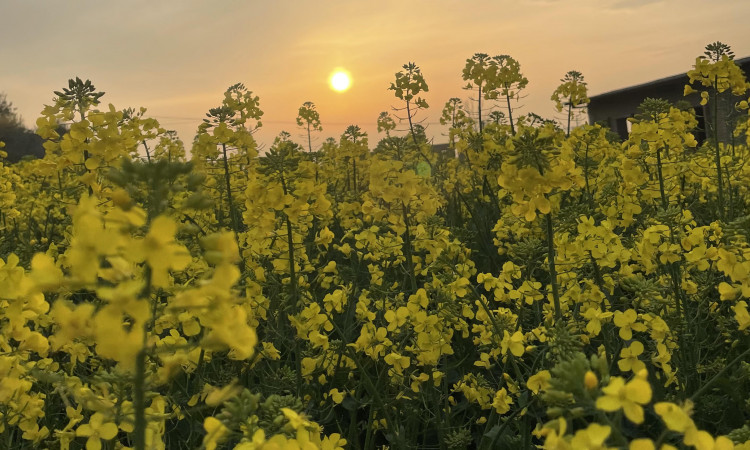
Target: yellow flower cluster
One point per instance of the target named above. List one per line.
(549, 288)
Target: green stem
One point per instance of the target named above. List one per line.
(510, 115)
(148, 154)
(479, 101)
(139, 400)
(411, 126)
(309, 139)
(717, 153)
(586, 176)
(408, 248)
(368, 434)
(227, 180)
(139, 383)
(661, 179)
(716, 377)
(552, 270)
(509, 420)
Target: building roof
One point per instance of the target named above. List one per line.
(744, 64)
(614, 107)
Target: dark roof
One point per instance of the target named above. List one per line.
(441, 147)
(744, 64)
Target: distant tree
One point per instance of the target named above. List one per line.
(19, 141)
(392, 146)
(353, 134)
(386, 124)
(8, 116)
(497, 116)
(309, 118)
(353, 147)
(409, 83)
(329, 143)
(284, 136)
(420, 133)
(535, 120)
(455, 117)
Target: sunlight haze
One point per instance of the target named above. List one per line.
(176, 58)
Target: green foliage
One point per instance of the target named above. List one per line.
(538, 288)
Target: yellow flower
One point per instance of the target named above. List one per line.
(396, 318)
(663, 356)
(502, 401)
(270, 351)
(513, 343)
(220, 248)
(114, 340)
(73, 321)
(741, 314)
(702, 440)
(44, 272)
(234, 333)
(159, 250)
(590, 381)
(96, 430)
(554, 435)
(398, 362)
(592, 438)
(704, 98)
(222, 133)
(728, 292)
(215, 432)
(336, 395)
(676, 418)
(595, 317)
(220, 395)
(630, 361)
(333, 442)
(628, 397)
(90, 240)
(642, 444)
(627, 322)
(296, 421)
(539, 381)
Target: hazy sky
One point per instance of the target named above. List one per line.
(177, 57)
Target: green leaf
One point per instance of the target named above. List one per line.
(424, 169)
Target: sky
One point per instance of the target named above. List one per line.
(177, 57)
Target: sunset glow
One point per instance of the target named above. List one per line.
(340, 80)
(369, 44)
(358, 225)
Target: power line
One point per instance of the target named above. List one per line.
(279, 122)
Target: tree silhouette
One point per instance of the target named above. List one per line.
(19, 141)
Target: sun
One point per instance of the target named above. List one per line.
(340, 80)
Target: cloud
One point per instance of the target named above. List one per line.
(633, 4)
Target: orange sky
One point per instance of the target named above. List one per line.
(176, 58)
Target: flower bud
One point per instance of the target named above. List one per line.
(121, 199)
(590, 380)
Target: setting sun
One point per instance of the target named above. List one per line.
(340, 80)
